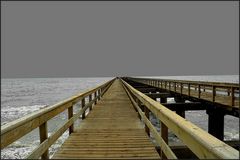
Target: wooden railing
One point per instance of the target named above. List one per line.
(198, 89)
(201, 143)
(19, 128)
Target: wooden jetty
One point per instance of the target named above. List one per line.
(118, 126)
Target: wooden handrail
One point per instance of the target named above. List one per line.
(198, 141)
(208, 87)
(165, 148)
(14, 130)
(217, 84)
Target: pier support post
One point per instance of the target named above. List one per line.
(163, 100)
(216, 123)
(180, 111)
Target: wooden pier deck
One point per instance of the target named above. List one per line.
(118, 126)
(111, 130)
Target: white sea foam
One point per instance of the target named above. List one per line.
(11, 113)
(18, 150)
(57, 144)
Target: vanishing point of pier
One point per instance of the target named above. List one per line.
(118, 125)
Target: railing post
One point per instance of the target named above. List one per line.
(139, 104)
(199, 91)
(164, 135)
(70, 115)
(98, 94)
(43, 136)
(189, 89)
(95, 95)
(165, 84)
(90, 99)
(161, 84)
(181, 88)
(146, 111)
(232, 96)
(175, 87)
(213, 93)
(228, 92)
(83, 104)
(169, 86)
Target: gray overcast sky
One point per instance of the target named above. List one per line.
(90, 39)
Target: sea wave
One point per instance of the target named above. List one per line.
(12, 113)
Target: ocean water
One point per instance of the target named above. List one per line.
(20, 97)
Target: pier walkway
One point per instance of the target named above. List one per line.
(118, 124)
(111, 130)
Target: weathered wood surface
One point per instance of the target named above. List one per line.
(112, 130)
(149, 127)
(14, 130)
(222, 99)
(222, 91)
(199, 141)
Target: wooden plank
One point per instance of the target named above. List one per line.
(164, 147)
(158, 95)
(111, 130)
(184, 106)
(148, 89)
